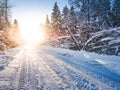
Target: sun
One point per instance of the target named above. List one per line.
(31, 32)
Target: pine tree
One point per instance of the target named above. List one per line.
(72, 21)
(71, 26)
(4, 24)
(15, 33)
(47, 22)
(15, 24)
(101, 10)
(48, 26)
(65, 13)
(116, 13)
(56, 19)
(4, 14)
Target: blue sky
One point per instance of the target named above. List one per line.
(27, 10)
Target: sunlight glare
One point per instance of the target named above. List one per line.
(31, 32)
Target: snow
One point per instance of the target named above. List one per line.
(107, 38)
(4, 60)
(48, 68)
(104, 42)
(102, 67)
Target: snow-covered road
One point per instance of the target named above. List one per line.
(38, 68)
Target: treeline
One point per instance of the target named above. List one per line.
(81, 21)
(7, 30)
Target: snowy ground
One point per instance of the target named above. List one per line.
(47, 68)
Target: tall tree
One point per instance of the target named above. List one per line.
(5, 24)
(48, 31)
(83, 6)
(15, 33)
(72, 20)
(56, 19)
(71, 26)
(65, 13)
(116, 13)
(4, 13)
(101, 10)
(47, 22)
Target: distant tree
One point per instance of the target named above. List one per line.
(116, 13)
(48, 29)
(15, 33)
(47, 23)
(15, 24)
(56, 19)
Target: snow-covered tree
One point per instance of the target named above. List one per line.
(104, 42)
(4, 24)
(16, 25)
(65, 13)
(48, 29)
(71, 26)
(101, 10)
(56, 19)
(72, 21)
(14, 34)
(4, 14)
(47, 23)
(116, 13)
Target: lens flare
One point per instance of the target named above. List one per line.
(31, 33)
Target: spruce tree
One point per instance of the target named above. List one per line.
(56, 19)
(48, 26)
(4, 14)
(65, 13)
(72, 21)
(101, 10)
(116, 13)
(15, 24)
(47, 22)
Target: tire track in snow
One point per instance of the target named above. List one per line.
(84, 82)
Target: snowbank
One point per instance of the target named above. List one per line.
(105, 68)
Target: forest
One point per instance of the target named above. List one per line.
(91, 25)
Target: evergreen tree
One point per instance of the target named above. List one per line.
(86, 11)
(48, 26)
(71, 26)
(65, 13)
(15, 24)
(56, 19)
(47, 22)
(15, 33)
(4, 14)
(5, 42)
(72, 21)
(116, 13)
(101, 10)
